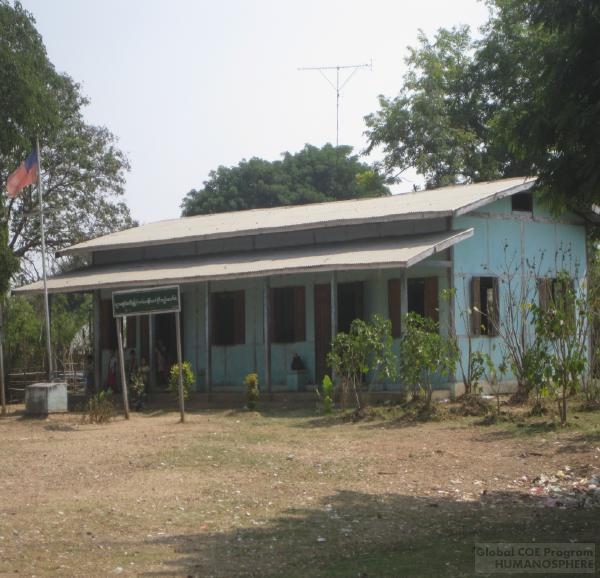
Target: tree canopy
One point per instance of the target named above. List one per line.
(436, 124)
(83, 171)
(520, 100)
(311, 175)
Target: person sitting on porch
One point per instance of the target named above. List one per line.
(297, 363)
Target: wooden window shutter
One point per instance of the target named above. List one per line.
(431, 298)
(565, 298)
(239, 318)
(394, 306)
(299, 314)
(494, 309)
(544, 287)
(476, 306)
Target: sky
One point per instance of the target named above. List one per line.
(189, 85)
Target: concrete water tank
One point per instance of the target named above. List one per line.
(45, 398)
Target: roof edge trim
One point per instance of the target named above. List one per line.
(526, 186)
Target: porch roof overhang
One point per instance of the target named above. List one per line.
(385, 253)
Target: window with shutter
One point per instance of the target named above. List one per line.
(350, 304)
(287, 314)
(423, 297)
(228, 315)
(544, 287)
(557, 294)
(484, 306)
(430, 289)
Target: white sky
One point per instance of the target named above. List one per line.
(189, 85)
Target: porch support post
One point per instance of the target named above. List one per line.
(97, 354)
(122, 366)
(151, 351)
(334, 305)
(207, 340)
(138, 336)
(266, 337)
(180, 365)
(334, 314)
(403, 293)
(451, 313)
(2, 384)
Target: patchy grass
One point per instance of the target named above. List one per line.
(285, 493)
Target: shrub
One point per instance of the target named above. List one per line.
(424, 353)
(100, 408)
(366, 348)
(137, 389)
(188, 378)
(252, 391)
(326, 394)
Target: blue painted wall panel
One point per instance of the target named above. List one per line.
(504, 242)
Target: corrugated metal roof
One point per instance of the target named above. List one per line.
(367, 254)
(441, 202)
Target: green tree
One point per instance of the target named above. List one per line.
(424, 354)
(311, 175)
(23, 338)
(562, 328)
(550, 116)
(9, 264)
(521, 100)
(25, 345)
(365, 349)
(83, 170)
(70, 314)
(436, 124)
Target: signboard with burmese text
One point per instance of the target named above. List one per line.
(146, 301)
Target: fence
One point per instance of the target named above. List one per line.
(72, 373)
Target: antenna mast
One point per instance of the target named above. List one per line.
(337, 87)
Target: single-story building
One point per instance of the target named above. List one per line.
(260, 286)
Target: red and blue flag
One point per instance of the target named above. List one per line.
(26, 174)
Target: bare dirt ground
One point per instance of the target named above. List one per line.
(285, 493)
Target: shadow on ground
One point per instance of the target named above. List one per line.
(353, 534)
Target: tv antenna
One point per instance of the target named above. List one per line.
(352, 68)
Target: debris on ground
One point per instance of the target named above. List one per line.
(565, 489)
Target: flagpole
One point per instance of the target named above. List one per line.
(46, 306)
(2, 384)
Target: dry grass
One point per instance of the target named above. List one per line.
(281, 493)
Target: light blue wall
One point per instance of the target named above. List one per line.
(231, 364)
(504, 241)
